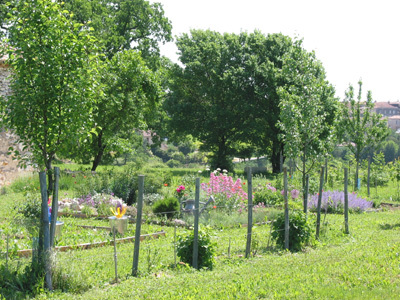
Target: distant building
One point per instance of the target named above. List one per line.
(387, 109)
(394, 122)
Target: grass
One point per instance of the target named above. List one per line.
(361, 265)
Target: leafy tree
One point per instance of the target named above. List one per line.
(53, 63)
(120, 26)
(361, 128)
(261, 79)
(202, 100)
(131, 98)
(308, 109)
(390, 150)
(124, 24)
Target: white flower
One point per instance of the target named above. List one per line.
(199, 171)
(225, 171)
(218, 169)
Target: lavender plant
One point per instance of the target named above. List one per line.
(333, 201)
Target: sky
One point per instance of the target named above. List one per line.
(354, 39)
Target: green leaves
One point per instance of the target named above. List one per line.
(53, 81)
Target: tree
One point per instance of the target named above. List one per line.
(53, 80)
(124, 24)
(120, 26)
(203, 101)
(362, 129)
(262, 77)
(308, 109)
(132, 94)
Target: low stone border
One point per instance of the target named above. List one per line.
(28, 252)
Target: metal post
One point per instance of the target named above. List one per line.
(346, 203)
(44, 239)
(321, 184)
(115, 256)
(196, 225)
(285, 196)
(138, 226)
(249, 212)
(54, 206)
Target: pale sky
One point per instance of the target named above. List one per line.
(352, 38)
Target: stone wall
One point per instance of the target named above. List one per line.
(8, 167)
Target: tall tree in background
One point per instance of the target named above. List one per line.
(124, 24)
(132, 94)
(53, 80)
(119, 26)
(361, 128)
(262, 77)
(203, 101)
(308, 109)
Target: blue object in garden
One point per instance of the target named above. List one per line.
(359, 183)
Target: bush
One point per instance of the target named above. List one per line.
(333, 202)
(300, 230)
(167, 207)
(172, 163)
(206, 249)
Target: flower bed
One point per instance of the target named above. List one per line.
(333, 201)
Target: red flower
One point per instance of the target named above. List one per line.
(214, 206)
(165, 184)
(244, 183)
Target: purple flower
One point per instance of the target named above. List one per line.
(334, 201)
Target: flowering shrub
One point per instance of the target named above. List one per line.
(101, 202)
(268, 195)
(333, 201)
(227, 193)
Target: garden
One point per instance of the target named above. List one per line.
(86, 264)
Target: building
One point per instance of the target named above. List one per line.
(387, 109)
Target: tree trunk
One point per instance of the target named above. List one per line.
(50, 178)
(276, 158)
(100, 151)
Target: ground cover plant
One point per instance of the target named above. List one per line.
(319, 270)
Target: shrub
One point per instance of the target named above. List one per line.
(267, 195)
(173, 163)
(300, 230)
(168, 207)
(206, 249)
(333, 201)
(227, 193)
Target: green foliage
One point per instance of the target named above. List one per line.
(267, 196)
(169, 207)
(206, 249)
(131, 99)
(29, 212)
(53, 80)
(172, 163)
(130, 23)
(308, 109)
(16, 283)
(300, 230)
(360, 128)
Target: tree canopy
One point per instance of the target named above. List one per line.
(124, 24)
(203, 100)
(53, 79)
(226, 92)
(361, 128)
(308, 108)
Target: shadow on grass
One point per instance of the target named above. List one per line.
(389, 226)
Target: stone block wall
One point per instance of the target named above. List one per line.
(8, 167)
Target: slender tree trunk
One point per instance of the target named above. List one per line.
(50, 178)
(100, 151)
(276, 158)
